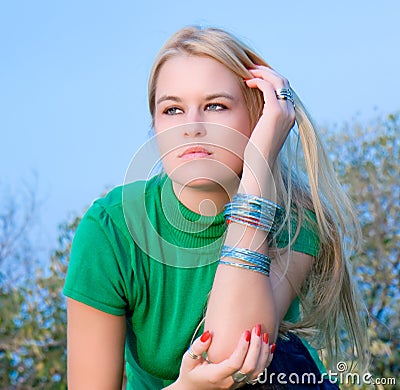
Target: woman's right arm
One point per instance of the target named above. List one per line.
(95, 348)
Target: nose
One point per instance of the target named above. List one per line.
(196, 129)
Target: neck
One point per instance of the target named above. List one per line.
(207, 199)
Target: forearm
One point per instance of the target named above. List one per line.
(241, 298)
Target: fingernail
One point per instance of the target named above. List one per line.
(273, 346)
(205, 336)
(265, 338)
(258, 330)
(247, 335)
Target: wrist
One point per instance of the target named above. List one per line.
(259, 157)
(257, 183)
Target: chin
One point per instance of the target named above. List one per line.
(204, 175)
(206, 183)
(203, 184)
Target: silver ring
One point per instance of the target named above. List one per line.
(252, 381)
(192, 355)
(239, 376)
(285, 94)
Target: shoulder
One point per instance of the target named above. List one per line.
(122, 200)
(104, 260)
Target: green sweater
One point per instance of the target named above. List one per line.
(141, 253)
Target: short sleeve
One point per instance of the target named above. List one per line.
(97, 269)
(307, 241)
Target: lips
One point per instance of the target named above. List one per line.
(195, 152)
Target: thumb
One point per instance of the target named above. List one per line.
(193, 356)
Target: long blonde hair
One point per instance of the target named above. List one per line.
(304, 180)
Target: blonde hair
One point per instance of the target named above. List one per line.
(306, 181)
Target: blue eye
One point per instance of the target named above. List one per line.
(215, 107)
(172, 111)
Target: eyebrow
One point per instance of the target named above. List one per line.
(207, 98)
(219, 95)
(168, 97)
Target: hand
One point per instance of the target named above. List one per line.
(251, 356)
(277, 117)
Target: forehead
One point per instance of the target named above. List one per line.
(189, 73)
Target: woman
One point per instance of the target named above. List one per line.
(144, 264)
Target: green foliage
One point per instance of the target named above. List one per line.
(10, 304)
(33, 326)
(368, 162)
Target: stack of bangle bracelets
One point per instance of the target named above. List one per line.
(256, 212)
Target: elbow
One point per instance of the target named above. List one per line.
(228, 337)
(271, 325)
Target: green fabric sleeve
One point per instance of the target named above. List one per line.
(97, 274)
(307, 240)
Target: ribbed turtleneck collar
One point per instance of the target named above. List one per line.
(190, 229)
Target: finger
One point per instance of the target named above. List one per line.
(193, 356)
(251, 362)
(264, 358)
(266, 87)
(275, 79)
(270, 75)
(235, 361)
(263, 362)
(268, 90)
(274, 107)
(271, 354)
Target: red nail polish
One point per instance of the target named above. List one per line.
(273, 346)
(265, 338)
(247, 335)
(205, 336)
(258, 330)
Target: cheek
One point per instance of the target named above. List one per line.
(167, 141)
(232, 159)
(241, 122)
(162, 121)
(230, 153)
(246, 124)
(157, 124)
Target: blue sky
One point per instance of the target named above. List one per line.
(73, 78)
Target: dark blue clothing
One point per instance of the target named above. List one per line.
(293, 364)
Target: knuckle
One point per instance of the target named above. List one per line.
(249, 368)
(227, 385)
(281, 82)
(266, 83)
(233, 366)
(214, 379)
(291, 118)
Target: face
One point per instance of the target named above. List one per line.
(201, 121)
